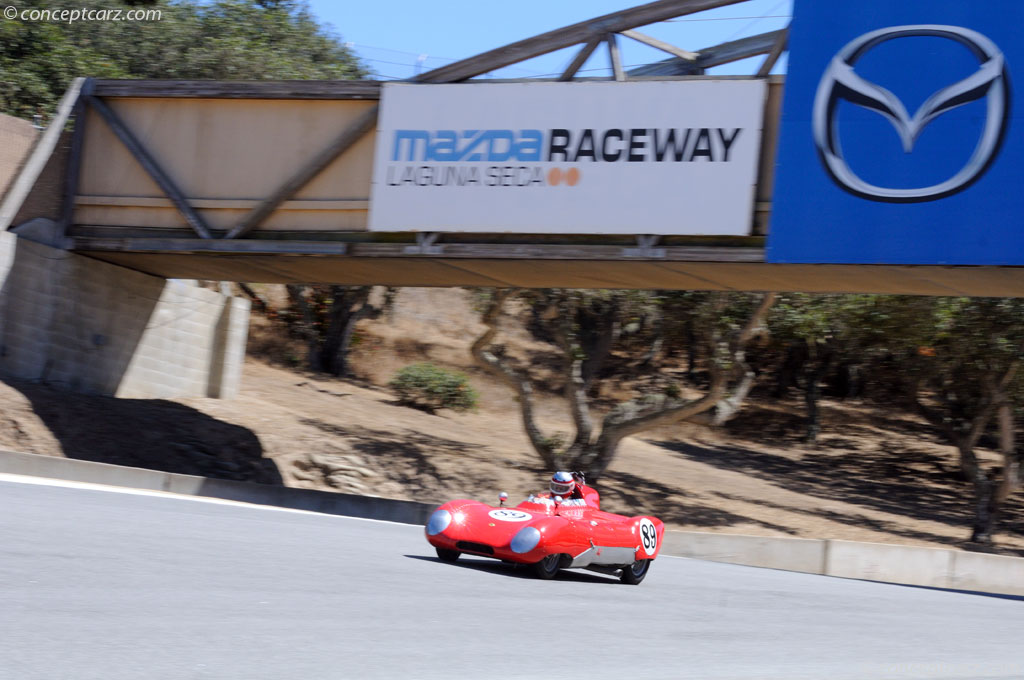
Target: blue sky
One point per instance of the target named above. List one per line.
(395, 38)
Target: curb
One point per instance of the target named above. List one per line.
(897, 564)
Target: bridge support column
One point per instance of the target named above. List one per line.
(91, 326)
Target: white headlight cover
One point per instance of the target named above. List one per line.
(439, 521)
(525, 541)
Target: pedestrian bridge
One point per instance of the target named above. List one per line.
(272, 182)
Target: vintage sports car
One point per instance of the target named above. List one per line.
(549, 534)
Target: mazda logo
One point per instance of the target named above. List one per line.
(840, 82)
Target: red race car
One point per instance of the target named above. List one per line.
(549, 534)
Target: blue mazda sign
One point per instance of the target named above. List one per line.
(899, 142)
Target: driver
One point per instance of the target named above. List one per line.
(572, 490)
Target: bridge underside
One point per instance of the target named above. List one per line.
(411, 270)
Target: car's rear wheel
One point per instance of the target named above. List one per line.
(634, 573)
(446, 555)
(548, 567)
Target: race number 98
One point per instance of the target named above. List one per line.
(648, 536)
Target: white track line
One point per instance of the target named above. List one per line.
(89, 486)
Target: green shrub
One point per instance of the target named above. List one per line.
(432, 387)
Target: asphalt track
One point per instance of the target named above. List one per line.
(106, 585)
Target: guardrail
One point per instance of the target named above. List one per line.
(907, 565)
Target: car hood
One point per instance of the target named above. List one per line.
(472, 520)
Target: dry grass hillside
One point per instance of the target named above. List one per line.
(875, 475)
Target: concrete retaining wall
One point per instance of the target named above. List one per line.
(987, 573)
(903, 564)
(891, 563)
(932, 567)
(95, 327)
(791, 554)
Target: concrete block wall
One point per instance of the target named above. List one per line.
(95, 327)
(228, 356)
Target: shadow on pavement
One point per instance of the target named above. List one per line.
(998, 596)
(149, 433)
(516, 570)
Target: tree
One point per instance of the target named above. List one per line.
(224, 40)
(583, 338)
(325, 317)
(994, 492)
(969, 374)
(845, 339)
(711, 321)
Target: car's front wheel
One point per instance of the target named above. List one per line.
(446, 555)
(634, 573)
(548, 567)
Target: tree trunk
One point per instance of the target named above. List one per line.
(328, 344)
(740, 374)
(348, 305)
(307, 329)
(493, 364)
(691, 351)
(340, 366)
(846, 381)
(968, 459)
(812, 395)
(991, 495)
(258, 303)
(792, 366)
(963, 441)
(598, 331)
(985, 509)
(650, 358)
(820, 360)
(592, 460)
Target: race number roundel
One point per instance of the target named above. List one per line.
(509, 515)
(648, 536)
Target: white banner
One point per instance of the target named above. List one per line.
(649, 157)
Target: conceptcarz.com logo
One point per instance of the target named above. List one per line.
(841, 82)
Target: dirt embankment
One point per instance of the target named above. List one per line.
(875, 475)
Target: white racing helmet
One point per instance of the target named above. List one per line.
(562, 484)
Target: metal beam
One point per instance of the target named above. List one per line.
(44, 147)
(74, 168)
(613, 56)
(579, 60)
(150, 165)
(191, 245)
(661, 45)
(495, 251)
(713, 56)
(216, 89)
(348, 137)
(773, 56)
(739, 49)
(568, 36)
